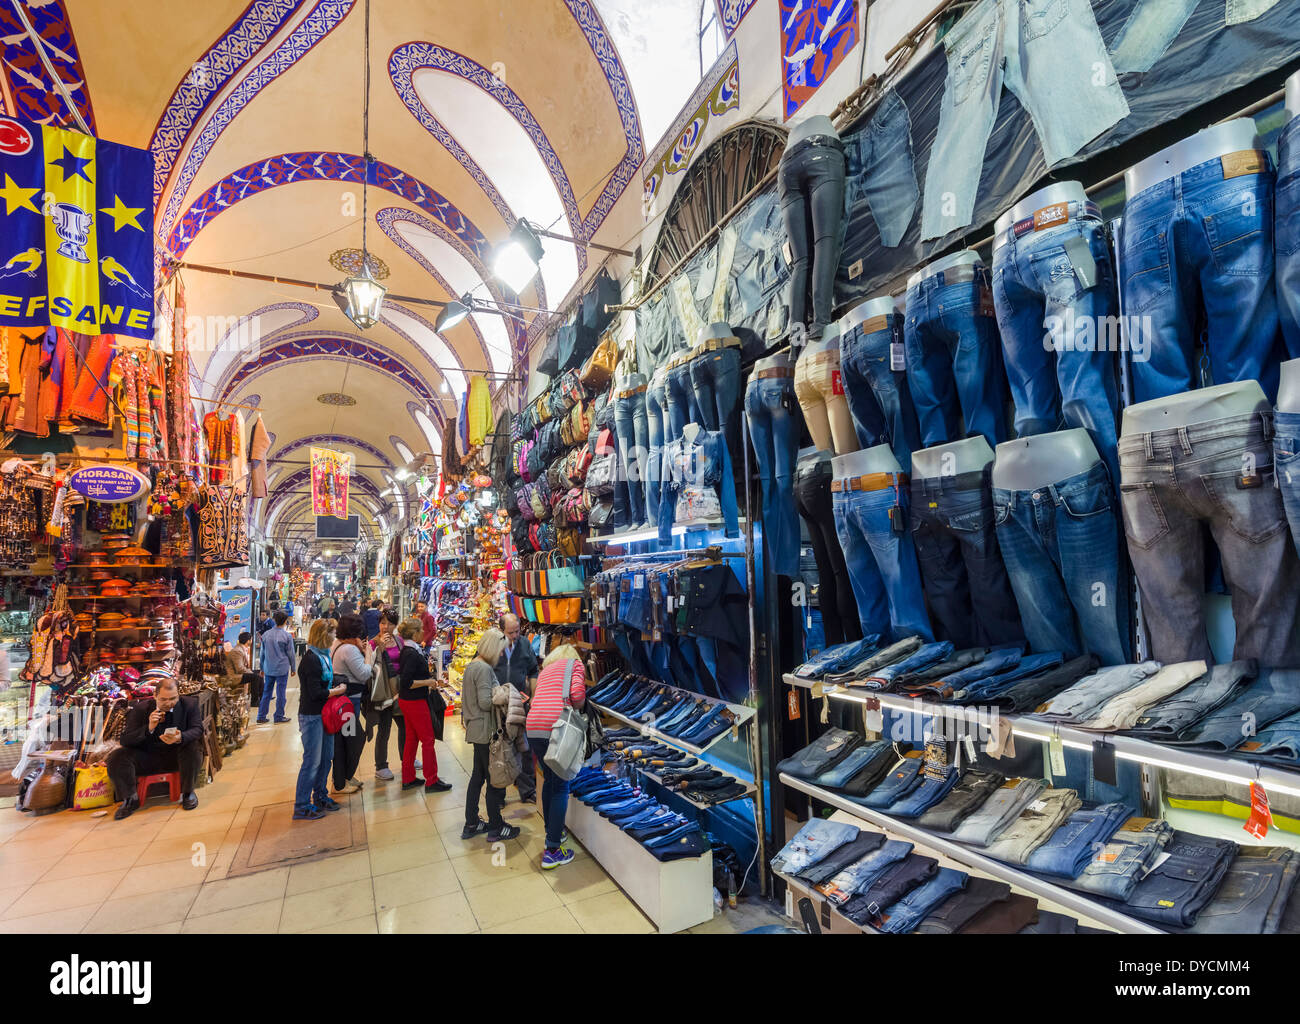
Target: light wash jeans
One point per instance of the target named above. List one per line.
(1154, 24)
(1081, 700)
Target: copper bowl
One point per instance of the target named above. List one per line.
(94, 558)
(99, 575)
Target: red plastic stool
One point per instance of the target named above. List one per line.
(173, 780)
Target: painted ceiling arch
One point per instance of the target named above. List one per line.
(328, 440)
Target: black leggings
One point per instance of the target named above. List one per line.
(349, 742)
(383, 721)
(496, 798)
(811, 186)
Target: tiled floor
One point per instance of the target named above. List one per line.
(164, 870)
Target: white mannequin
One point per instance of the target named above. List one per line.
(970, 455)
(691, 432)
(1208, 144)
(879, 459)
(1293, 96)
(881, 305)
(965, 258)
(1239, 398)
(1030, 462)
(782, 360)
(716, 331)
(1057, 192)
(1288, 392)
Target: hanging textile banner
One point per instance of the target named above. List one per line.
(330, 471)
(76, 218)
(815, 37)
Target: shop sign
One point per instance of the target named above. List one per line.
(109, 483)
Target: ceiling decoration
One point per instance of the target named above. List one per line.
(328, 440)
(336, 398)
(349, 262)
(35, 98)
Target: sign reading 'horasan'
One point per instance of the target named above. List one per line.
(109, 483)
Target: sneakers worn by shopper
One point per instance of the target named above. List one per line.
(384, 773)
(552, 859)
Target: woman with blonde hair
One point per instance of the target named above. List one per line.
(479, 719)
(414, 689)
(549, 701)
(315, 687)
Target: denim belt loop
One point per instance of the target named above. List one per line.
(1266, 424)
(1185, 440)
(1150, 449)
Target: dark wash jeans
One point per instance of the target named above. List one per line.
(1199, 244)
(1219, 472)
(880, 170)
(953, 914)
(632, 431)
(1286, 457)
(1173, 892)
(972, 789)
(555, 795)
(839, 608)
(970, 596)
(716, 378)
(810, 181)
(1060, 544)
(1253, 895)
(1286, 239)
(774, 434)
(683, 405)
(953, 361)
(880, 401)
(1039, 292)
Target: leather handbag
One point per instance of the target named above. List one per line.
(598, 370)
(602, 474)
(561, 576)
(603, 292)
(549, 363)
(599, 516)
(569, 542)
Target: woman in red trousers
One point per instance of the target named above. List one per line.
(414, 685)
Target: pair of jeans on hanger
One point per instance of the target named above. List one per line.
(774, 425)
(810, 182)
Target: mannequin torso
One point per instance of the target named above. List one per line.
(1239, 398)
(965, 258)
(1293, 96)
(1288, 393)
(967, 456)
(879, 459)
(715, 332)
(819, 124)
(1057, 192)
(780, 361)
(1030, 462)
(817, 457)
(881, 305)
(1215, 141)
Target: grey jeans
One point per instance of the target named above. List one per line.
(1000, 810)
(1036, 823)
(1219, 472)
(1080, 701)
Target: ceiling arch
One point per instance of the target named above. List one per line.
(325, 440)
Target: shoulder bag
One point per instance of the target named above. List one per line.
(568, 744)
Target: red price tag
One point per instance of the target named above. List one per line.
(793, 698)
(872, 703)
(837, 383)
(1261, 817)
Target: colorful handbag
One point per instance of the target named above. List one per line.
(598, 370)
(561, 576)
(569, 542)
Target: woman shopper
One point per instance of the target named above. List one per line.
(316, 686)
(479, 718)
(549, 700)
(413, 698)
(388, 645)
(353, 661)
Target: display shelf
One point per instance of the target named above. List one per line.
(1077, 903)
(678, 530)
(143, 565)
(124, 597)
(1127, 748)
(743, 715)
(829, 914)
(750, 788)
(674, 894)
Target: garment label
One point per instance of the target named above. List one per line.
(1155, 864)
(1082, 260)
(657, 635)
(1038, 806)
(986, 301)
(837, 383)
(1056, 756)
(873, 721)
(792, 701)
(1261, 817)
(601, 604)
(897, 357)
(1011, 784)
(1110, 853)
(1001, 742)
(1136, 824)
(969, 740)
(1244, 161)
(855, 270)
(1050, 216)
(1103, 762)
(672, 602)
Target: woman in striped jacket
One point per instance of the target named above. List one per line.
(549, 700)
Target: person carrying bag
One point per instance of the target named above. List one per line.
(554, 720)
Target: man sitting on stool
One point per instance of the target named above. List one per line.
(161, 735)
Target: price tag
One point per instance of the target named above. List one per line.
(602, 604)
(970, 747)
(658, 634)
(1056, 756)
(1103, 762)
(874, 721)
(1261, 817)
(1038, 806)
(792, 699)
(672, 602)
(639, 581)
(897, 357)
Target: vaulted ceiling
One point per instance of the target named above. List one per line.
(480, 113)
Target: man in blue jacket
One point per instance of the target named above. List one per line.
(277, 666)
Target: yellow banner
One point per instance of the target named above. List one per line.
(70, 244)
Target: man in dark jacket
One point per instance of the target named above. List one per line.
(518, 667)
(164, 734)
(371, 617)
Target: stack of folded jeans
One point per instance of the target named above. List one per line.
(852, 673)
(953, 914)
(1050, 923)
(889, 887)
(987, 823)
(866, 757)
(921, 682)
(989, 688)
(1254, 893)
(1030, 693)
(882, 678)
(677, 713)
(1034, 826)
(859, 875)
(1082, 700)
(850, 853)
(1072, 846)
(823, 754)
(1195, 701)
(970, 792)
(1118, 866)
(839, 658)
(1123, 710)
(902, 916)
(934, 786)
(1275, 694)
(904, 777)
(816, 840)
(702, 784)
(665, 834)
(999, 659)
(1278, 744)
(884, 755)
(1181, 883)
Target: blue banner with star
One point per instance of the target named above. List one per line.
(76, 226)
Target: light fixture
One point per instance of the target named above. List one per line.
(517, 258)
(361, 297)
(402, 473)
(453, 313)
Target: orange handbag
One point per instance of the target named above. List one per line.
(598, 370)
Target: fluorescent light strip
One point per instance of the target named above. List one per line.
(1042, 737)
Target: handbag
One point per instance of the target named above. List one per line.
(92, 787)
(569, 542)
(598, 370)
(568, 741)
(336, 713)
(576, 342)
(599, 516)
(601, 474)
(562, 577)
(437, 711)
(503, 759)
(604, 292)
(549, 363)
(383, 687)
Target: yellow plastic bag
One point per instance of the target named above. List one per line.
(92, 787)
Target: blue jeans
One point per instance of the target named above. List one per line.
(1286, 235)
(1286, 463)
(1051, 55)
(317, 756)
(879, 169)
(1071, 847)
(1153, 24)
(814, 841)
(683, 406)
(1061, 545)
(656, 408)
(953, 363)
(774, 433)
(838, 658)
(1199, 241)
(1115, 869)
(716, 378)
(555, 795)
(901, 917)
(277, 685)
(1050, 305)
(693, 469)
(632, 431)
(882, 564)
(1273, 696)
(859, 875)
(880, 401)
